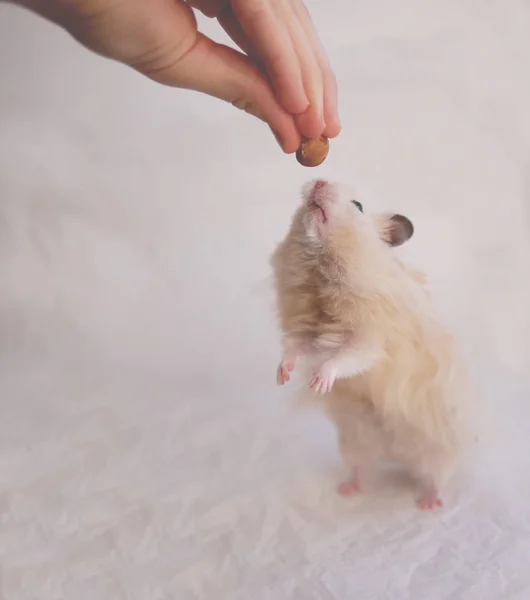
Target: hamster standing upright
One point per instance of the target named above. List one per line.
(364, 324)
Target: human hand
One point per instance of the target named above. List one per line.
(283, 77)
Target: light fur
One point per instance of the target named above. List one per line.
(343, 296)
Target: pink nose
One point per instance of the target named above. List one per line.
(319, 184)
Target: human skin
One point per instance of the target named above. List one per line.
(281, 75)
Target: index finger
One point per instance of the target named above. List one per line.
(272, 42)
(331, 115)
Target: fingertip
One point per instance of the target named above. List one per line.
(288, 138)
(310, 124)
(331, 112)
(333, 128)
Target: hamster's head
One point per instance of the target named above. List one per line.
(330, 229)
(332, 215)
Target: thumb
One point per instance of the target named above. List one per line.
(224, 73)
(160, 39)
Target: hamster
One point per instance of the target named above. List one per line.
(362, 323)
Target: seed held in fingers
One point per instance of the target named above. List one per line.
(312, 153)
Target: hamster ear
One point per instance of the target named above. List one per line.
(396, 230)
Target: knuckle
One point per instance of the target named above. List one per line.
(243, 103)
(161, 62)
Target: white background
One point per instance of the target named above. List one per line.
(145, 451)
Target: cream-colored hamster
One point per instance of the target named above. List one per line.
(364, 325)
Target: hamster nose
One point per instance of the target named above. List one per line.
(319, 184)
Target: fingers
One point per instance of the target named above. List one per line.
(269, 23)
(282, 37)
(271, 38)
(232, 26)
(330, 101)
(311, 121)
(210, 8)
(222, 72)
(296, 95)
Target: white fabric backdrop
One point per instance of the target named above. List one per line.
(145, 452)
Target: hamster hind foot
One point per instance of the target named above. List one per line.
(351, 486)
(429, 500)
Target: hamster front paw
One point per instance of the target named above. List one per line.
(324, 378)
(285, 369)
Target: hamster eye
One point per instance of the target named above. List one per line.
(358, 205)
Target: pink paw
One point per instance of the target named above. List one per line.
(323, 380)
(283, 373)
(348, 488)
(429, 502)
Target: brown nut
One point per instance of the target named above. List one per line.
(313, 152)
